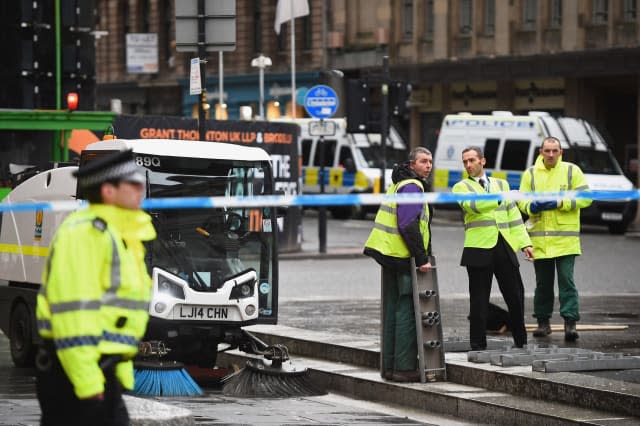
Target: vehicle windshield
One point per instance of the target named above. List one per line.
(207, 246)
(373, 156)
(592, 161)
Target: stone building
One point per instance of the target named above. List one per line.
(573, 57)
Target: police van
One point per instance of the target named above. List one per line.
(511, 142)
(352, 161)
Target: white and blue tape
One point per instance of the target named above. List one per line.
(331, 200)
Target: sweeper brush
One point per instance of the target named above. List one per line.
(277, 379)
(155, 376)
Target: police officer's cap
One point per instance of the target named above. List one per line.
(120, 166)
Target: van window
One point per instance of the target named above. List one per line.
(306, 151)
(345, 153)
(491, 152)
(515, 154)
(329, 146)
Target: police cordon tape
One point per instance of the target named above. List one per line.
(331, 200)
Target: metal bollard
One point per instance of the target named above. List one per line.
(428, 315)
(431, 321)
(428, 293)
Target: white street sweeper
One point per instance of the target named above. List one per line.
(214, 270)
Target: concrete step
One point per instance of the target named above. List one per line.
(576, 389)
(470, 403)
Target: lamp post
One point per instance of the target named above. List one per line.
(261, 62)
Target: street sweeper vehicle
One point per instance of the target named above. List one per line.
(214, 269)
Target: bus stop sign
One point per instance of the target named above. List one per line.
(321, 102)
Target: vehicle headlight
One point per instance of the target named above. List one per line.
(242, 291)
(250, 310)
(169, 288)
(160, 307)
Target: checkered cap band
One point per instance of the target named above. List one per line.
(127, 171)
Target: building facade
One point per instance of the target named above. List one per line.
(164, 88)
(572, 57)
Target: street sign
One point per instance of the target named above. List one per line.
(321, 102)
(219, 25)
(322, 128)
(195, 83)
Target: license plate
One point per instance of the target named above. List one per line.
(194, 312)
(611, 217)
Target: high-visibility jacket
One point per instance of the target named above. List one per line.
(485, 220)
(95, 293)
(385, 236)
(554, 232)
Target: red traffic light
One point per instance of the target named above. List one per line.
(72, 101)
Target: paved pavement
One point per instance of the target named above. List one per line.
(356, 318)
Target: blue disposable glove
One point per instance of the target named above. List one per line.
(538, 206)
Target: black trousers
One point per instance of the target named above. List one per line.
(507, 274)
(60, 406)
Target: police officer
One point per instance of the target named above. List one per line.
(399, 233)
(92, 306)
(555, 232)
(493, 232)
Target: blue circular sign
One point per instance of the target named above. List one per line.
(321, 102)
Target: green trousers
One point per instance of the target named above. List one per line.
(544, 295)
(399, 348)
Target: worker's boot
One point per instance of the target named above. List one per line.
(543, 330)
(570, 333)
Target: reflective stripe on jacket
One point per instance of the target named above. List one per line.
(485, 220)
(95, 293)
(554, 232)
(385, 236)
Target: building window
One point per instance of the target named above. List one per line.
(126, 29)
(465, 16)
(529, 14)
(307, 33)
(167, 31)
(282, 37)
(257, 26)
(629, 10)
(428, 19)
(407, 18)
(490, 17)
(600, 12)
(145, 13)
(555, 14)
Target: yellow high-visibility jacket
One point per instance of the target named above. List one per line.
(385, 236)
(485, 220)
(95, 293)
(555, 232)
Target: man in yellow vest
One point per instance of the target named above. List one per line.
(401, 231)
(494, 231)
(92, 308)
(554, 228)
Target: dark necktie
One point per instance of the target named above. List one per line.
(482, 183)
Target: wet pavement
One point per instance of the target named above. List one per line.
(347, 317)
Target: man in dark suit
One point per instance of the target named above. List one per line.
(493, 232)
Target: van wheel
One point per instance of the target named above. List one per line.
(618, 228)
(23, 350)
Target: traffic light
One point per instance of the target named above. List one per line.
(357, 106)
(72, 101)
(399, 92)
(27, 34)
(364, 104)
(77, 20)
